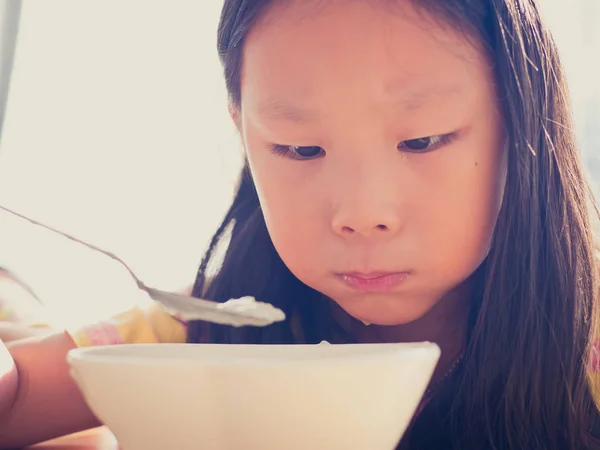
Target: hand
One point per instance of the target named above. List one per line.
(8, 380)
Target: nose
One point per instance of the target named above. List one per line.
(363, 229)
(368, 205)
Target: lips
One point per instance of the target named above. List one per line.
(373, 281)
(369, 275)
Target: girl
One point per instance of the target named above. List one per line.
(411, 175)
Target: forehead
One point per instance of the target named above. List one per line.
(310, 52)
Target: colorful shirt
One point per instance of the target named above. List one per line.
(137, 326)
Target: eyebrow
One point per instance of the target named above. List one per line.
(284, 111)
(398, 97)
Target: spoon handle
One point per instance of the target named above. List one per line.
(79, 241)
(236, 312)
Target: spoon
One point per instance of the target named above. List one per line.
(235, 312)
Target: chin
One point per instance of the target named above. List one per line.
(380, 312)
(386, 320)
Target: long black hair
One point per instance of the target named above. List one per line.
(523, 383)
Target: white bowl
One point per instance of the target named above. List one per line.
(255, 397)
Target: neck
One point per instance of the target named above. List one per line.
(445, 324)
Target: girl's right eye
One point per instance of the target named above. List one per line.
(301, 153)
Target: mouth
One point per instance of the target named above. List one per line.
(372, 281)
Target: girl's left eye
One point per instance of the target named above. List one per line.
(302, 153)
(426, 144)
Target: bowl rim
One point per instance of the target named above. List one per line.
(118, 354)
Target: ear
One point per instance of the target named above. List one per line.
(234, 113)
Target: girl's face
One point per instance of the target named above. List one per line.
(376, 146)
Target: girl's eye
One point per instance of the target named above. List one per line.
(426, 144)
(296, 152)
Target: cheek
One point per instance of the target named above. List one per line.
(293, 206)
(466, 200)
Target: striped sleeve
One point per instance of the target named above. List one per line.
(135, 326)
